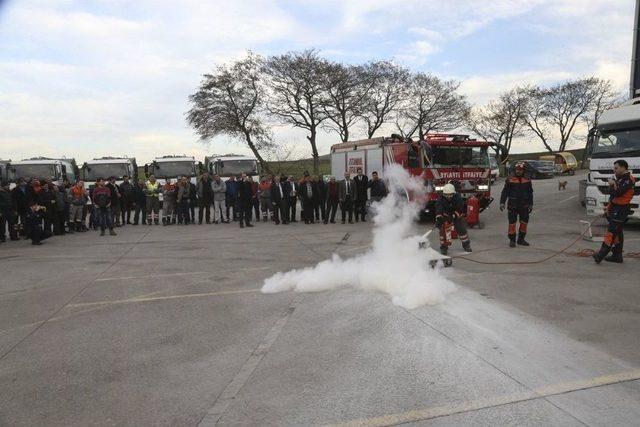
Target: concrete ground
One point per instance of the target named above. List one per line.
(166, 326)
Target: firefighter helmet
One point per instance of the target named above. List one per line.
(449, 189)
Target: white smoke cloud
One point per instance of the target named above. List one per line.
(394, 264)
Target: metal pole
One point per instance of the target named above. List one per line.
(635, 55)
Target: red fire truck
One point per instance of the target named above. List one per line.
(439, 159)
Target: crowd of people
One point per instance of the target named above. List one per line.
(39, 208)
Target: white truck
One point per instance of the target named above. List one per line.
(228, 165)
(617, 136)
(43, 167)
(105, 167)
(173, 167)
(4, 172)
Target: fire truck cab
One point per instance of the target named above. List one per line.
(439, 159)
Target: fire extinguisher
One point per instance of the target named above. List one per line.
(473, 211)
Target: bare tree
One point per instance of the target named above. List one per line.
(388, 87)
(229, 102)
(606, 98)
(536, 115)
(431, 104)
(297, 83)
(345, 88)
(500, 121)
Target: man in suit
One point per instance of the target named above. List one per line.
(280, 199)
(332, 200)
(245, 192)
(361, 182)
(319, 204)
(293, 198)
(307, 197)
(346, 197)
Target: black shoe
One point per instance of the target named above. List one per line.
(512, 243)
(249, 225)
(467, 247)
(601, 254)
(523, 242)
(241, 225)
(36, 243)
(102, 232)
(112, 233)
(332, 222)
(614, 258)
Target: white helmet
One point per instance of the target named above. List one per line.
(449, 189)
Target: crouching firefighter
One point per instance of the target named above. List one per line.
(519, 192)
(450, 211)
(617, 212)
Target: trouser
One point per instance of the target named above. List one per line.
(515, 214)
(307, 211)
(205, 207)
(319, 208)
(75, 213)
(38, 234)
(266, 206)
(255, 203)
(281, 211)
(192, 210)
(115, 214)
(360, 208)
(245, 214)
(22, 216)
(58, 222)
(183, 212)
(48, 218)
(105, 218)
(332, 208)
(139, 214)
(293, 205)
(232, 208)
(446, 229)
(346, 206)
(8, 221)
(94, 221)
(614, 236)
(126, 213)
(153, 207)
(220, 210)
(168, 206)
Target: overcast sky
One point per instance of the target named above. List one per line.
(90, 78)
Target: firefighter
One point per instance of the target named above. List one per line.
(617, 212)
(519, 191)
(450, 210)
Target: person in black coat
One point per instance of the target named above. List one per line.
(280, 199)
(34, 220)
(20, 195)
(293, 198)
(360, 203)
(307, 191)
(139, 200)
(320, 201)
(126, 193)
(245, 192)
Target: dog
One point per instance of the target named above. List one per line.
(562, 185)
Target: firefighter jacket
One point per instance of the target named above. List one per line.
(519, 191)
(622, 190)
(453, 207)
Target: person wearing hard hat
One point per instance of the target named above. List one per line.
(519, 193)
(450, 209)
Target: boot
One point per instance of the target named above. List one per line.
(112, 233)
(466, 246)
(164, 220)
(521, 240)
(156, 221)
(512, 241)
(616, 255)
(102, 232)
(599, 256)
(249, 224)
(444, 250)
(241, 224)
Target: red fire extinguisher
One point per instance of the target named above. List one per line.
(473, 211)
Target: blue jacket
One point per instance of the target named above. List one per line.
(232, 189)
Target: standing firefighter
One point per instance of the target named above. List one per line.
(519, 191)
(622, 188)
(450, 210)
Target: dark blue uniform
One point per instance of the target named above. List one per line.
(519, 193)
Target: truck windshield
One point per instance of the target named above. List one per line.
(467, 157)
(236, 167)
(174, 169)
(105, 170)
(617, 143)
(39, 171)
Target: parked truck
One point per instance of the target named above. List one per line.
(228, 165)
(105, 167)
(4, 171)
(173, 167)
(43, 167)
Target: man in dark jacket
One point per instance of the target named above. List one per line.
(293, 198)
(280, 199)
(126, 193)
(102, 198)
(245, 193)
(232, 198)
(7, 213)
(362, 183)
(34, 219)
(346, 197)
(320, 201)
(519, 192)
(205, 197)
(450, 210)
(21, 200)
(377, 188)
(139, 199)
(115, 200)
(332, 200)
(307, 197)
(622, 188)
